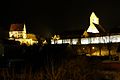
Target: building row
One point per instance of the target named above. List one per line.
(93, 41)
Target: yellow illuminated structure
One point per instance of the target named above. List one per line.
(93, 20)
(18, 33)
(85, 34)
(44, 42)
(55, 38)
(24, 32)
(91, 44)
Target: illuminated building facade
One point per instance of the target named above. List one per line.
(93, 20)
(18, 33)
(93, 41)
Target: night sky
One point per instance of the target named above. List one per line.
(46, 16)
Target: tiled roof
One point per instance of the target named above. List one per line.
(16, 27)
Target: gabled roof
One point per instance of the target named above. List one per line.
(100, 28)
(92, 29)
(16, 27)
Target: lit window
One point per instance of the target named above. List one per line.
(74, 41)
(66, 41)
(59, 41)
(52, 42)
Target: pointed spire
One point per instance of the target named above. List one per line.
(24, 32)
(24, 28)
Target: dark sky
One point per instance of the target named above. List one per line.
(46, 16)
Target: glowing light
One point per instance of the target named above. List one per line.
(74, 41)
(85, 40)
(52, 42)
(44, 42)
(59, 41)
(104, 39)
(56, 37)
(93, 47)
(21, 35)
(83, 48)
(24, 32)
(85, 34)
(66, 41)
(93, 19)
(92, 40)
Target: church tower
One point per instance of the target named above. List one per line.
(93, 20)
(24, 32)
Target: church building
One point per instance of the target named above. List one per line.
(18, 33)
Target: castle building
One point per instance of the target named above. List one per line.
(94, 41)
(18, 33)
(93, 20)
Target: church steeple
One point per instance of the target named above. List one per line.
(93, 20)
(24, 32)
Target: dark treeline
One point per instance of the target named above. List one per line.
(50, 62)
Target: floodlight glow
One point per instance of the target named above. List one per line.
(52, 42)
(59, 41)
(74, 41)
(93, 19)
(104, 39)
(85, 41)
(66, 41)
